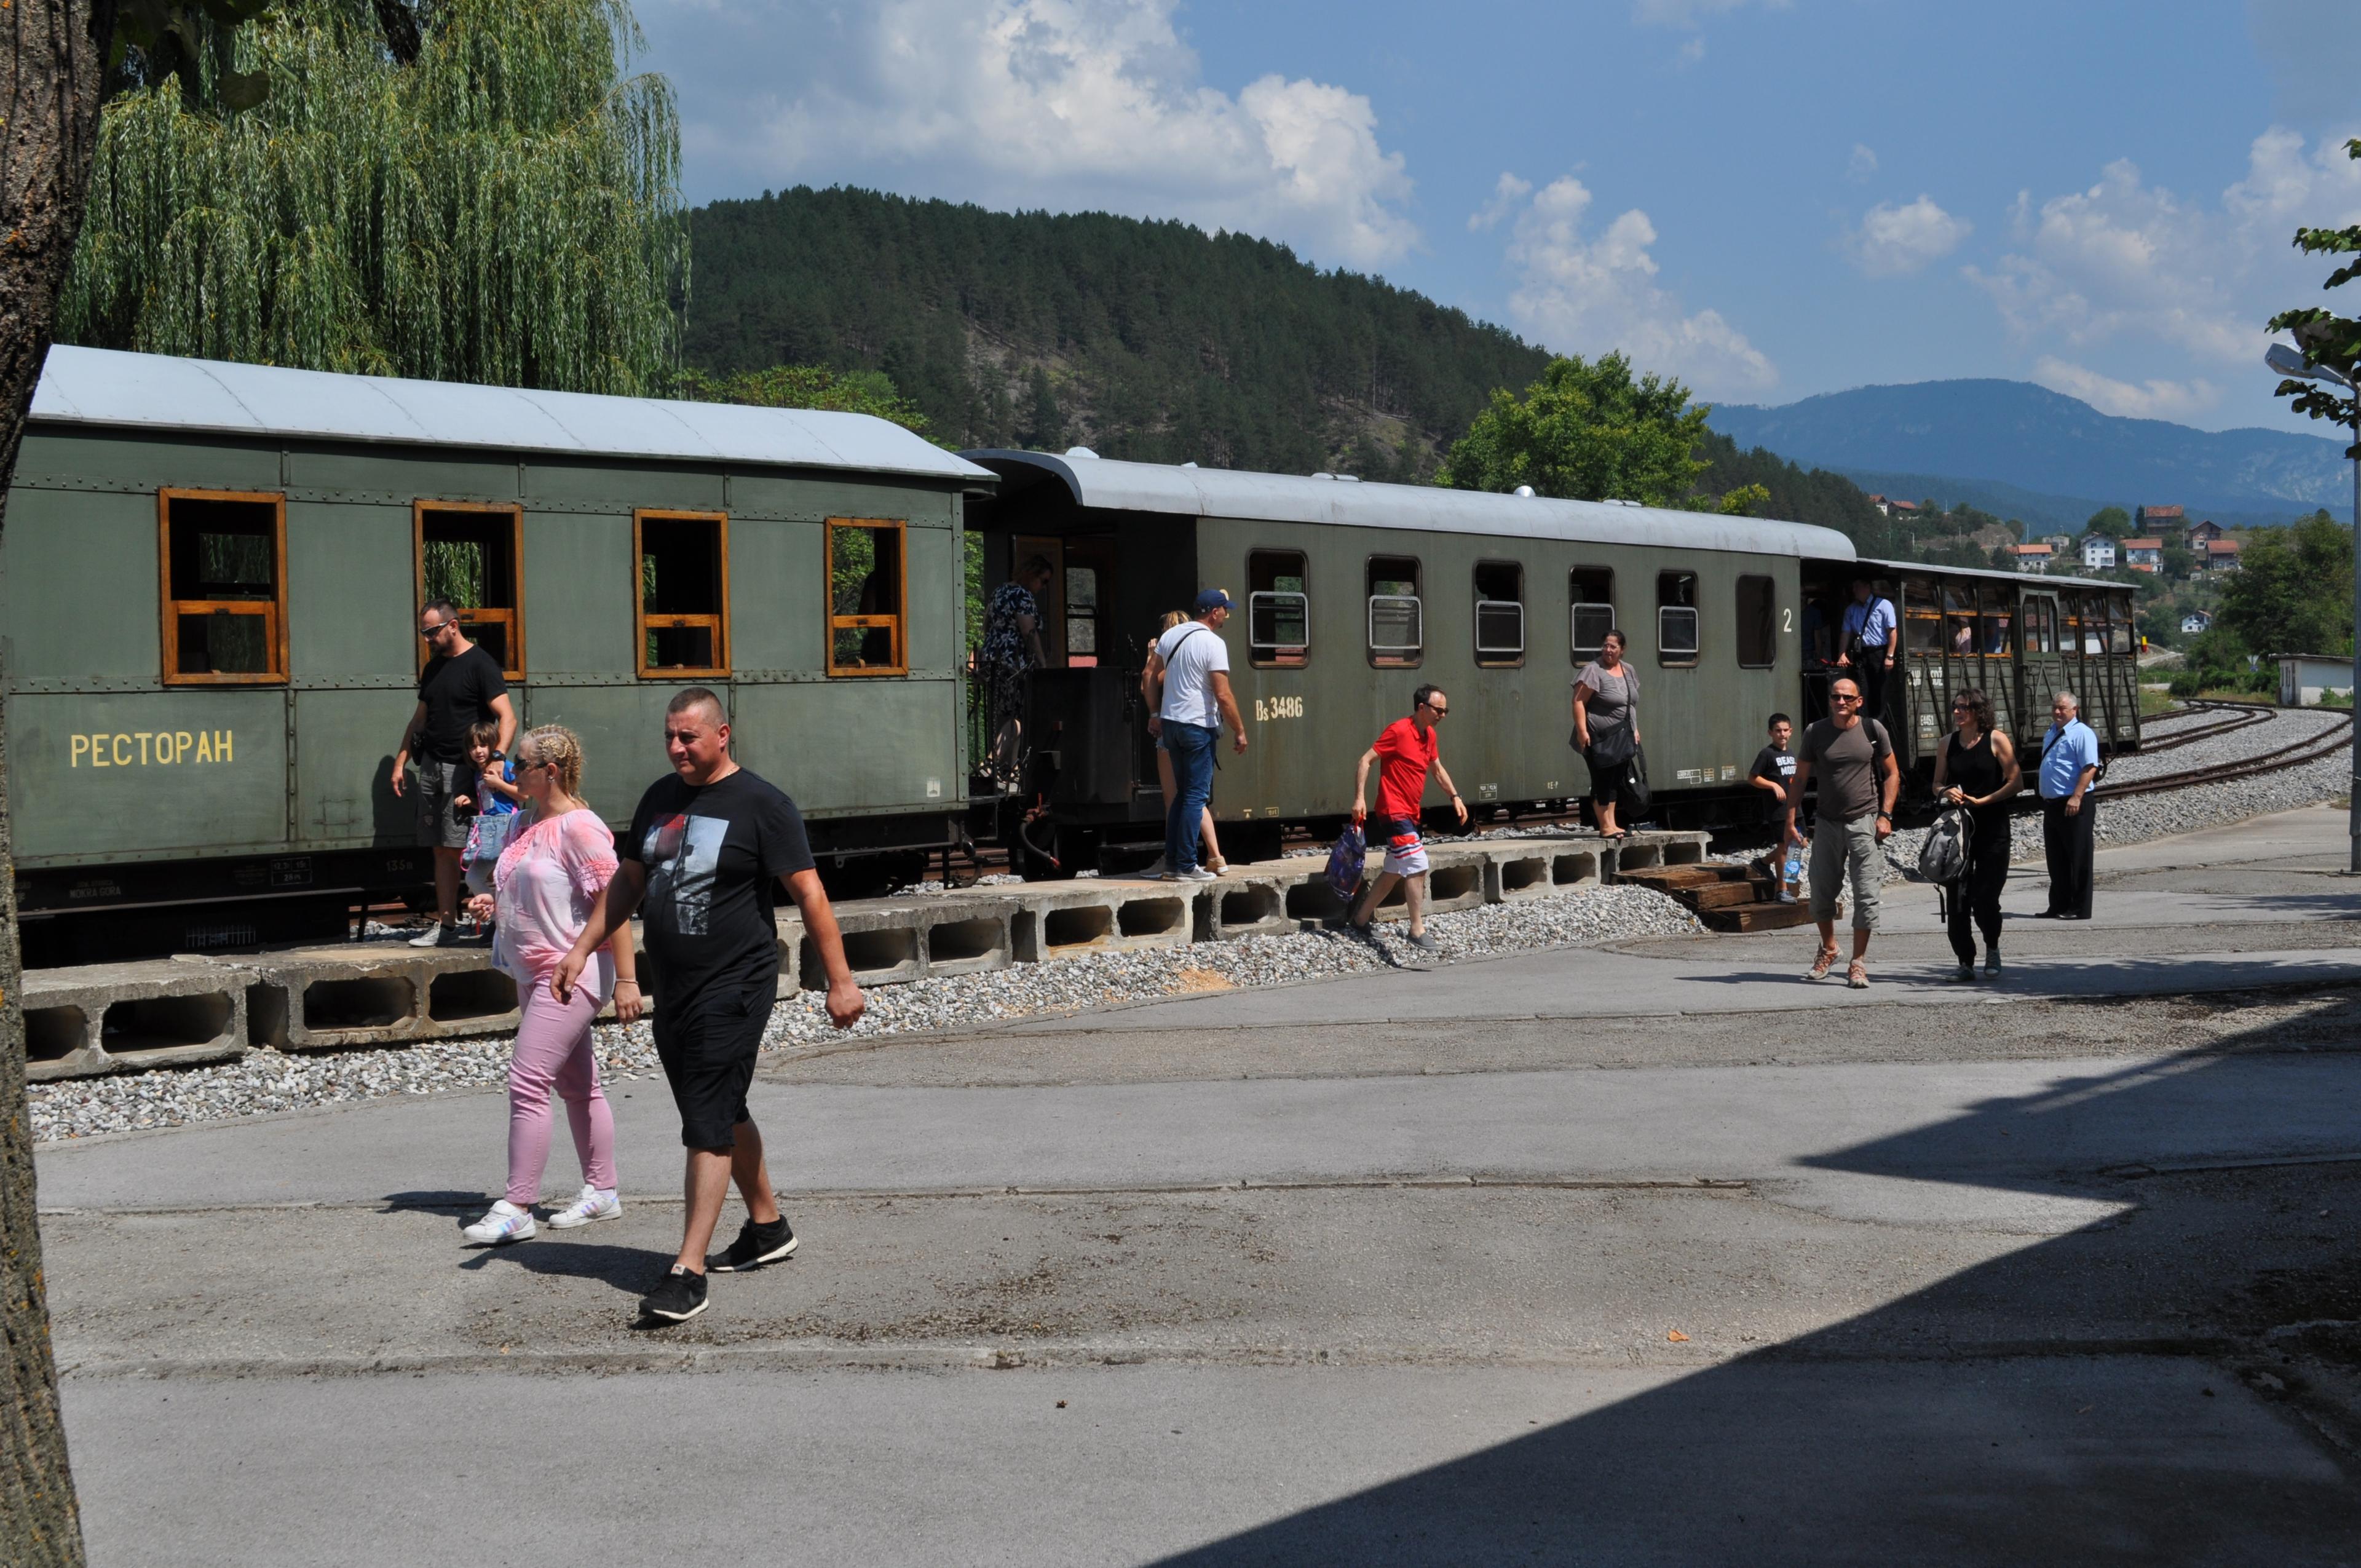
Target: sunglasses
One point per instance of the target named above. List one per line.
(1438, 712)
(1841, 697)
(440, 627)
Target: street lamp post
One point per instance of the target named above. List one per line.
(2288, 361)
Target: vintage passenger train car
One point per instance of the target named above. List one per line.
(1354, 594)
(210, 587)
(211, 577)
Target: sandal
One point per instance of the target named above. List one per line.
(1820, 964)
(1857, 975)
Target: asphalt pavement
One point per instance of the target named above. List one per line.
(1650, 1255)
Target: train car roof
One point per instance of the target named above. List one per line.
(151, 391)
(1107, 484)
(2031, 579)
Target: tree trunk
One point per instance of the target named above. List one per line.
(52, 61)
(400, 26)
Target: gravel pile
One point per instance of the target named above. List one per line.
(266, 1082)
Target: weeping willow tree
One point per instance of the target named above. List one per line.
(460, 191)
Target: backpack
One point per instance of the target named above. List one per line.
(1943, 857)
(1346, 863)
(1635, 797)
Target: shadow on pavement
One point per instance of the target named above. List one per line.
(2176, 1382)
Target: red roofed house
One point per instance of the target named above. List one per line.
(2157, 519)
(2145, 555)
(2220, 556)
(2033, 557)
(1887, 506)
(2201, 534)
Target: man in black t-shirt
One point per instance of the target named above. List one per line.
(460, 689)
(1774, 769)
(707, 850)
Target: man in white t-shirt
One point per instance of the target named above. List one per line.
(1194, 665)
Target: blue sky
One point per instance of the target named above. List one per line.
(1769, 198)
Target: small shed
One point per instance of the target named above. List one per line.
(2306, 678)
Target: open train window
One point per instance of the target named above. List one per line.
(1500, 614)
(2119, 624)
(2040, 626)
(684, 597)
(1397, 613)
(1758, 616)
(224, 560)
(474, 556)
(1278, 610)
(1997, 640)
(1082, 608)
(1590, 613)
(868, 582)
(1677, 618)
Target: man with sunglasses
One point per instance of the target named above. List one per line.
(1408, 748)
(460, 687)
(1859, 779)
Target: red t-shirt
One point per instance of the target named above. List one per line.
(1403, 757)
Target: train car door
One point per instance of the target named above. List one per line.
(1996, 655)
(1022, 548)
(2042, 669)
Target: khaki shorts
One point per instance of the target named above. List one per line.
(1840, 848)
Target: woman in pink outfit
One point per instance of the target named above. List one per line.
(544, 886)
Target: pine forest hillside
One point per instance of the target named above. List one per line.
(1153, 341)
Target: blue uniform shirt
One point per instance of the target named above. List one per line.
(2064, 754)
(1873, 622)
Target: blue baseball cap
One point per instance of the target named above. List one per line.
(1213, 598)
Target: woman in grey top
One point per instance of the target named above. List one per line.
(1607, 728)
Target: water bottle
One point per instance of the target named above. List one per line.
(1791, 876)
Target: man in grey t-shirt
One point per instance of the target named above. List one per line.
(1853, 759)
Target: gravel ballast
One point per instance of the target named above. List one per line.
(267, 1082)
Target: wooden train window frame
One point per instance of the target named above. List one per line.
(1676, 607)
(508, 616)
(1402, 611)
(1579, 615)
(272, 611)
(646, 621)
(1270, 607)
(1756, 604)
(886, 632)
(1500, 614)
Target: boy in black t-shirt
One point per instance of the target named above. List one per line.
(707, 849)
(1774, 769)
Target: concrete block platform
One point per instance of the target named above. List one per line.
(106, 1018)
(115, 1017)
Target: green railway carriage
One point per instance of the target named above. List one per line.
(209, 591)
(1352, 594)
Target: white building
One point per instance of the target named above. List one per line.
(2196, 621)
(2305, 678)
(2098, 553)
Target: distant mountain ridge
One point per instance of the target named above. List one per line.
(2022, 450)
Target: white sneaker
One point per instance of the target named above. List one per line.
(1195, 874)
(505, 1224)
(593, 1204)
(430, 938)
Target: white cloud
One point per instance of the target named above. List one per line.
(1893, 240)
(2178, 400)
(1067, 103)
(1584, 295)
(1506, 193)
(1862, 165)
(2129, 261)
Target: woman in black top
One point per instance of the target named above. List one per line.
(1977, 769)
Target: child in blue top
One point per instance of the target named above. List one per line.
(495, 792)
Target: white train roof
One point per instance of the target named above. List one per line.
(1114, 486)
(152, 391)
(2027, 579)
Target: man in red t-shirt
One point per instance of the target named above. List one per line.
(1408, 747)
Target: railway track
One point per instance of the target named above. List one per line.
(2238, 716)
(2312, 747)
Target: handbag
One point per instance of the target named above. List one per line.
(1610, 748)
(487, 837)
(1347, 862)
(1634, 798)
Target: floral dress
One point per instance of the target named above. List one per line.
(1006, 656)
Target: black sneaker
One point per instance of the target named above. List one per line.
(756, 1245)
(678, 1296)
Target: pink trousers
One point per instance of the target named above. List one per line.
(554, 1051)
